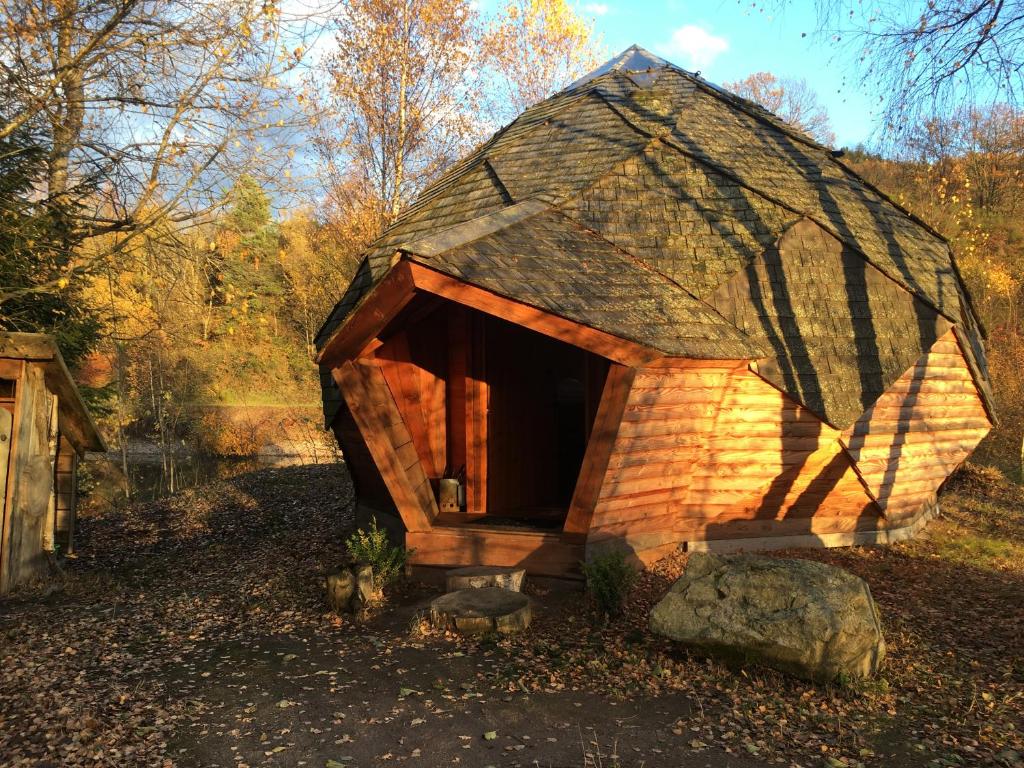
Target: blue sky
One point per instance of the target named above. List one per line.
(727, 41)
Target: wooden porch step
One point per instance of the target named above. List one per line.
(541, 553)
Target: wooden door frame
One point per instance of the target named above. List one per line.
(17, 373)
(617, 386)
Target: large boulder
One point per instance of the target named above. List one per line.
(809, 619)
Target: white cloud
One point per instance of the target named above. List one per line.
(596, 9)
(694, 47)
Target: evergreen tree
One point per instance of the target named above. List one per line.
(40, 289)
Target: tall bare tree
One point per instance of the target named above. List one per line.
(791, 99)
(534, 48)
(928, 57)
(154, 101)
(399, 98)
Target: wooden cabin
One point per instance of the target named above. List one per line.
(649, 314)
(45, 429)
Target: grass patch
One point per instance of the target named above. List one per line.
(980, 551)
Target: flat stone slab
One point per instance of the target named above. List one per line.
(480, 611)
(477, 576)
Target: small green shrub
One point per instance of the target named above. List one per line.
(373, 546)
(609, 579)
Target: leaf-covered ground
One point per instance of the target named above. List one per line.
(192, 632)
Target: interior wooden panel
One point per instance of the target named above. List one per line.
(458, 339)
(476, 416)
(706, 450)
(389, 442)
(414, 362)
(919, 431)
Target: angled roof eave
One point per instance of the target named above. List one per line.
(75, 421)
(410, 276)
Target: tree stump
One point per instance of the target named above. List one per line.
(341, 586)
(367, 591)
(477, 576)
(481, 611)
(352, 589)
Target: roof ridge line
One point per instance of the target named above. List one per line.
(476, 157)
(673, 144)
(476, 228)
(754, 110)
(618, 111)
(750, 108)
(633, 258)
(747, 106)
(965, 289)
(744, 105)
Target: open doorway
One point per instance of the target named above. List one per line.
(504, 410)
(542, 398)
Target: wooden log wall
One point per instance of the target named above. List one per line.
(709, 450)
(919, 431)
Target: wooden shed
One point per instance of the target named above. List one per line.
(44, 430)
(647, 314)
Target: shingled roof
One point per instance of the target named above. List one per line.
(643, 201)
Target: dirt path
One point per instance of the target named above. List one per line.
(358, 700)
(192, 633)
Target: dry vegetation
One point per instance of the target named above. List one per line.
(157, 644)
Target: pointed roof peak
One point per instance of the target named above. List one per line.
(632, 60)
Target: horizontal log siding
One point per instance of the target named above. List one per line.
(711, 451)
(919, 431)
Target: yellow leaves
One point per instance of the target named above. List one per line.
(536, 47)
(62, 283)
(1001, 281)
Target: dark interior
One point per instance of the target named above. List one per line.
(538, 421)
(540, 394)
